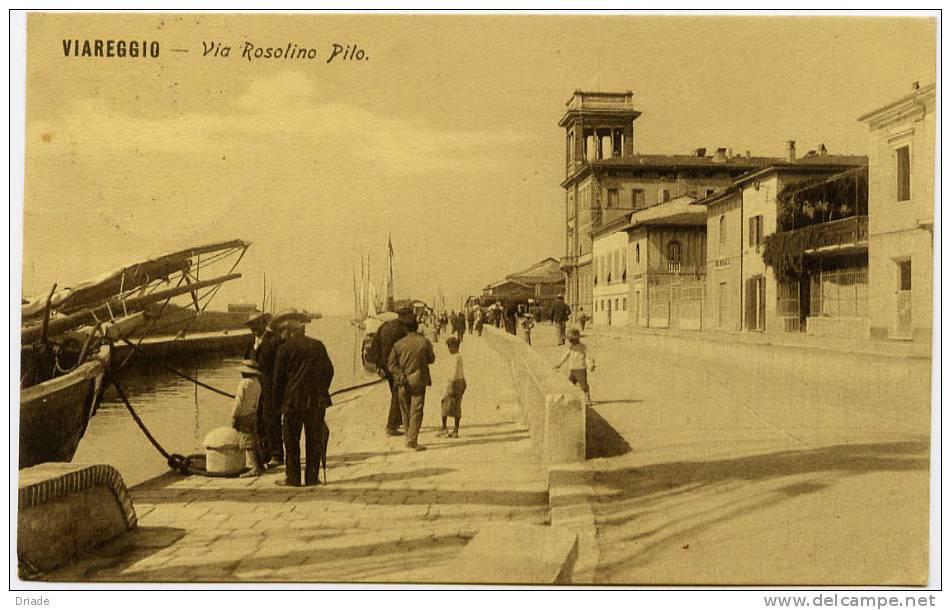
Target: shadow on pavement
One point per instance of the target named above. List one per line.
(693, 496)
(601, 439)
(383, 477)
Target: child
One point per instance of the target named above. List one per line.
(580, 362)
(245, 415)
(455, 388)
(527, 324)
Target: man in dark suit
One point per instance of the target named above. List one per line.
(302, 375)
(263, 351)
(560, 314)
(383, 341)
(409, 365)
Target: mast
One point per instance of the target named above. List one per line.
(388, 293)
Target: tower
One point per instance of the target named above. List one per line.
(598, 125)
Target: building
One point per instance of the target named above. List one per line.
(649, 267)
(542, 284)
(605, 178)
(610, 290)
(805, 248)
(723, 311)
(901, 216)
(667, 246)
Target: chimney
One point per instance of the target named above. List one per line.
(720, 157)
(915, 86)
(791, 150)
(729, 153)
(748, 155)
(822, 150)
(700, 152)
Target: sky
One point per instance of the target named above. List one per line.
(444, 136)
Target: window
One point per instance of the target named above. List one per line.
(624, 304)
(709, 192)
(722, 234)
(903, 167)
(673, 251)
(637, 199)
(756, 232)
(608, 264)
(663, 195)
(637, 253)
(616, 304)
(904, 275)
(612, 198)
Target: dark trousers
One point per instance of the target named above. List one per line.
(561, 332)
(394, 419)
(273, 433)
(412, 402)
(312, 423)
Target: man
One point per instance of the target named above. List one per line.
(409, 365)
(560, 314)
(383, 341)
(302, 375)
(460, 325)
(263, 350)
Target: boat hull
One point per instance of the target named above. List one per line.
(54, 414)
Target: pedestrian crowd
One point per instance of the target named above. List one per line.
(284, 391)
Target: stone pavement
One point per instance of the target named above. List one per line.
(716, 463)
(387, 515)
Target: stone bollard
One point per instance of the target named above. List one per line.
(223, 454)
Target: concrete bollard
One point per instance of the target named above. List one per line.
(223, 454)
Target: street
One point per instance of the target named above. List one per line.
(728, 463)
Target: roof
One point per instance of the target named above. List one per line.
(680, 211)
(927, 90)
(811, 163)
(504, 282)
(648, 162)
(545, 271)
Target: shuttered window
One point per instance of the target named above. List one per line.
(903, 170)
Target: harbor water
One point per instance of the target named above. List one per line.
(179, 413)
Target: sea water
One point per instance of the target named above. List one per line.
(179, 413)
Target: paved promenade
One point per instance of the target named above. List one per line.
(386, 515)
(739, 464)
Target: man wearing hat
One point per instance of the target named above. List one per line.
(409, 365)
(560, 314)
(263, 350)
(302, 375)
(383, 342)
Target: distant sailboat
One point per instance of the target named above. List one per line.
(370, 312)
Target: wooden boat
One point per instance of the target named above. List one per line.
(67, 341)
(54, 414)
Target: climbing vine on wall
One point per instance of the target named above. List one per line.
(804, 213)
(825, 199)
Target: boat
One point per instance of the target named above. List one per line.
(67, 340)
(372, 310)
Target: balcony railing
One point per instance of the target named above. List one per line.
(673, 266)
(846, 232)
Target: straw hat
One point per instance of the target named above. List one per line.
(261, 317)
(290, 318)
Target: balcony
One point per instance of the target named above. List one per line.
(784, 251)
(673, 266)
(839, 236)
(567, 262)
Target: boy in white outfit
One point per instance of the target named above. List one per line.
(455, 388)
(581, 361)
(244, 418)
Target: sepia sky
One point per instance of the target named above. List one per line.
(446, 137)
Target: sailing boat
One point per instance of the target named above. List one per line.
(66, 339)
(371, 313)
